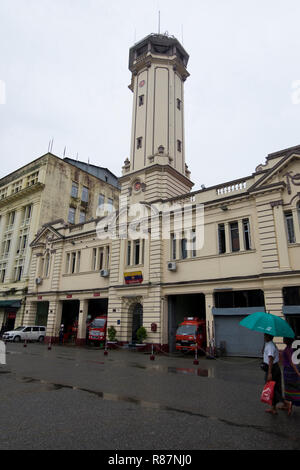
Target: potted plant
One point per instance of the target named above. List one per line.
(141, 334)
(111, 334)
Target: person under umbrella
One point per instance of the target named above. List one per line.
(273, 373)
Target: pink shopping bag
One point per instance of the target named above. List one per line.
(268, 393)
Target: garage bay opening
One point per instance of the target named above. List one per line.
(181, 307)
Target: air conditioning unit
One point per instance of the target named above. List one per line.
(104, 272)
(38, 281)
(172, 266)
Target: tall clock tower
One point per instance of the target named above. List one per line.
(157, 165)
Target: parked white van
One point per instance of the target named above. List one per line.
(28, 333)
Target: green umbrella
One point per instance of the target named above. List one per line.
(267, 323)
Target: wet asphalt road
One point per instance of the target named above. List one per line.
(75, 398)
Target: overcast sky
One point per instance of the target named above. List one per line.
(65, 68)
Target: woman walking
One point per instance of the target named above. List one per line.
(291, 375)
(273, 372)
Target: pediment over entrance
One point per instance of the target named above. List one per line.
(284, 175)
(46, 237)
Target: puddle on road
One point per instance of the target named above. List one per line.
(197, 371)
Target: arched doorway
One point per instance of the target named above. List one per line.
(137, 320)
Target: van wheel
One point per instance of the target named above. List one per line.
(17, 339)
(41, 339)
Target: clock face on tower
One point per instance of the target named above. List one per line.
(142, 83)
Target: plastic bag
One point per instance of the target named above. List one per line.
(268, 393)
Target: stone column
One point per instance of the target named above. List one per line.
(30, 313)
(209, 303)
(54, 320)
(83, 312)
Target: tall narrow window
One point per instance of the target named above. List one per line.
(178, 104)
(107, 256)
(141, 100)
(74, 191)
(289, 221)
(2, 272)
(85, 194)
(184, 248)
(194, 244)
(137, 248)
(139, 142)
(94, 259)
(73, 262)
(101, 258)
(173, 246)
(78, 259)
(247, 236)
(101, 200)
(234, 236)
(110, 204)
(128, 261)
(222, 238)
(68, 259)
(71, 216)
(179, 145)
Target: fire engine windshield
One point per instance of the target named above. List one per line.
(186, 330)
(98, 323)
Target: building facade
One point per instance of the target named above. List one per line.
(49, 188)
(166, 252)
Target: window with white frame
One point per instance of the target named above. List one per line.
(234, 236)
(247, 234)
(101, 200)
(3, 267)
(27, 212)
(74, 190)
(18, 270)
(6, 245)
(23, 242)
(135, 252)
(71, 215)
(73, 262)
(11, 217)
(85, 194)
(173, 246)
(290, 229)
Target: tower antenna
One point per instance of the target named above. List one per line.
(158, 21)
